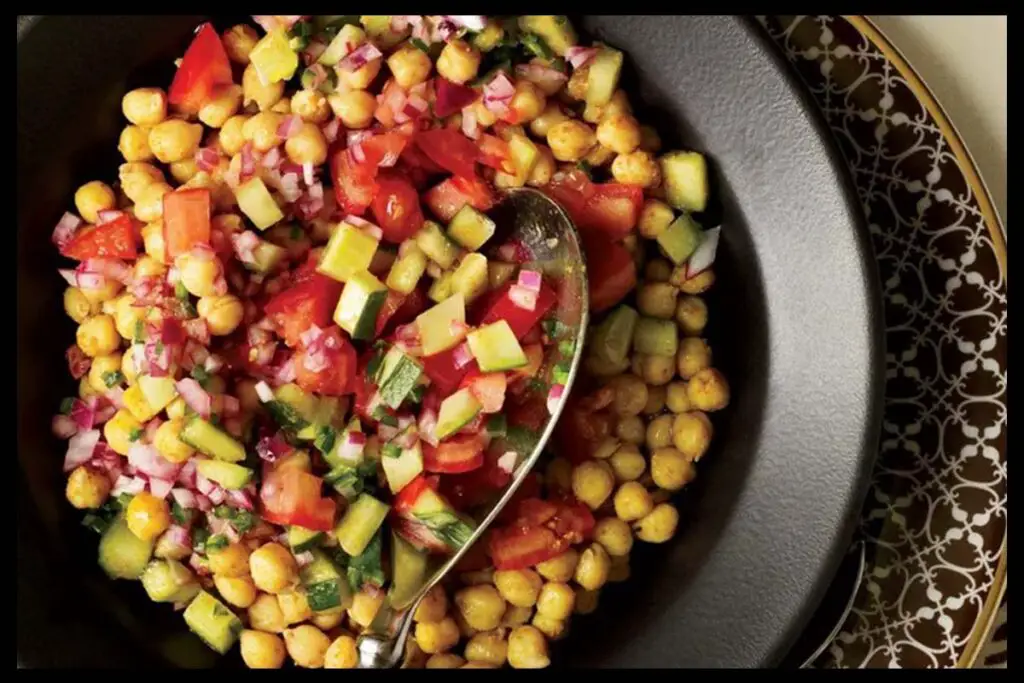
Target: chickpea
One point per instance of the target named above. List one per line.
(691, 434)
(650, 141)
(528, 102)
(97, 336)
(614, 536)
(484, 116)
(174, 140)
(554, 629)
(307, 645)
(598, 157)
(488, 647)
(551, 115)
(354, 107)
(556, 600)
(445, 661)
(136, 177)
(231, 560)
(433, 607)
(311, 105)
(237, 591)
(632, 501)
(223, 314)
(478, 665)
(481, 606)
(543, 168)
(657, 270)
(671, 470)
(93, 197)
(254, 90)
(697, 284)
(659, 525)
(150, 206)
(577, 86)
(226, 104)
(592, 482)
(630, 395)
(294, 606)
(708, 390)
(261, 650)
(655, 400)
(617, 105)
(586, 601)
(147, 516)
(515, 616)
(199, 275)
(410, 66)
(559, 568)
(308, 146)
(619, 132)
(659, 432)
(657, 299)
(637, 168)
(153, 241)
(126, 316)
(675, 397)
(592, 570)
(518, 586)
(76, 305)
(149, 267)
(437, 637)
(273, 568)
(657, 370)
(365, 606)
(118, 431)
(558, 474)
(239, 41)
(527, 648)
(630, 429)
(133, 144)
(571, 140)
(232, 138)
(606, 448)
(265, 614)
(342, 654)
(598, 367)
(261, 130)
(328, 619)
(627, 463)
(87, 489)
(102, 366)
(693, 356)
(361, 78)
(144, 106)
(459, 61)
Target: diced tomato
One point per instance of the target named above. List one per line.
(407, 497)
(396, 208)
(204, 68)
(451, 97)
(519, 319)
(399, 309)
(310, 302)
(384, 146)
(452, 194)
(291, 496)
(414, 156)
(186, 220)
(613, 209)
(574, 521)
(390, 101)
(611, 272)
(531, 414)
(454, 455)
(418, 534)
(443, 372)
(494, 152)
(354, 184)
(450, 149)
(572, 190)
(523, 547)
(78, 362)
(362, 388)
(529, 489)
(337, 378)
(488, 388)
(116, 239)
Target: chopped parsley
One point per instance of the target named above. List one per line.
(199, 538)
(567, 348)
(216, 542)
(296, 233)
(135, 434)
(139, 329)
(535, 44)
(180, 515)
(113, 378)
(200, 375)
(420, 45)
(241, 520)
(180, 292)
(159, 347)
(66, 406)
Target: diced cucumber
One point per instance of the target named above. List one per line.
(614, 335)
(360, 523)
(333, 458)
(325, 586)
(327, 86)
(490, 37)
(122, 554)
(228, 475)
(214, 623)
(399, 374)
(403, 469)
(267, 256)
(470, 228)
(456, 412)
(159, 391)
(524, 155)
(205, 438)
(273, 58)
(685, 179)
(379, 28)
(436, 328)
(347, 39)
(496, 348)
(680, 239)
(436, 245)
(498, 273)
(407, 269)
(349, 251)
(441, 288)
(292, 408)
(258, 204)
(329, 410)
(448, 526)
(603, 76)
(655, 337)
(556, 30)
(408, 571)
(359, 305)
(169, 581)
(301, 539)
(470, 278)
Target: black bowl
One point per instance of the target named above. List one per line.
(795, 327)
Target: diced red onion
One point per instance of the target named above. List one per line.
(160, 487)
(65, 229)
(204, 485)
(232, 406)
(408, 438)
(507, 461)
(400, 22)
(158, 357)
(351, 448)
(498, 92)
(578, 56)
(178, 536)
(239, 499)
(270, 448)
(304, 558)
(272, 158)
(307, 173)
(470, 125)
(112, 268)
(187, 475)
(456, 328)
(471, 22)
(91, 281)
(554, 396)
(213, 363)
(331, 130)
(544, 76)
(265, 393)
(198, 564)
(315, 360)
(147, 459)
(704, 256)
(427, 427)
(151, 427)
(194, 395)
(530, 279)
(116, 396)
(418, 103)
(80, 448)
(248, 162)
(523, 298)
(290, 125)
(69, 275)
(359, 57)
(357, 153)
(104, 414)
(433, 270)
(130, 485)
(316, 192)
(63, 426)
(207, 158)
(285, 372)
(78, 362)
(84, 413)
(312, 333)
(217, 495)
(184, 498)
(354, 137)
(290, 187)
(203, 503)
(462, 356)
(244, 243)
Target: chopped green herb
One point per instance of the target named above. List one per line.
(567, 348)
(366, 567)
(243, 520)
(222, 512)
(199, 538)
(390, 450)
(497, 425)
(200, 375)
(220, 610)
(554, 328)
(585, 166)
(216, 542)
(296, 233)
(135, 434)
(560, 374)
(113, 378)
(180, 292)
(325, 439)
(139, 329)
(95, 522)
(536, 45)
(179, 514)
(66, 405)
(159, 347)
(420, 45)
(537, 385)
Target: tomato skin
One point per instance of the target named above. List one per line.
(115, 239)
(442, 371)
(523, 547)
(449, 149)
(494, 152)
(455, 455)
(396, 208)
(446, 198)
(204, 67)
(611, 272)
(451, 97)
(407, 497)
(578, 430)
(519, 319)
(291, 496)
(399, 309)
(613, 209)
(309, 302)
(572, 190)
(337, 379)
(488, 388)
(354, 184)
(186, 220)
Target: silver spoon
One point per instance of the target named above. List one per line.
(546, 230)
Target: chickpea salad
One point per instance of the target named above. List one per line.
(305, 366)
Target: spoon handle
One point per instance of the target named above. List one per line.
(383, 644)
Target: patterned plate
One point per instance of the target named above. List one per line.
(935, 521)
